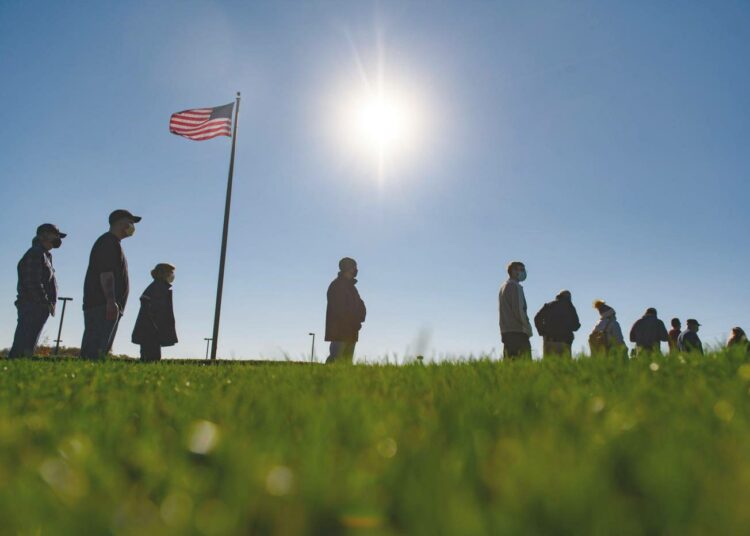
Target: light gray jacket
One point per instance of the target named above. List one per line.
(512, 303)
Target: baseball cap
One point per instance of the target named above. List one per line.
(693, 321)
(49, 228)
(122, 214)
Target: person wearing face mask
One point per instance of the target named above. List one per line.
(106, 287)
(688, 341)
(345, 313)
(37, 290)
(515, 328)
(155, 325)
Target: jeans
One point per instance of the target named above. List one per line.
(31, 319)
(151, 351)
(557, 349)
(341, 352)
(98, 333)
(516, 345)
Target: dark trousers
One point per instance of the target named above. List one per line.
(341, 352)
(557, 349)
(98, 333)
(516, 345)
(31, 320)
(151, 351)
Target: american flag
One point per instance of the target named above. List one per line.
(202, 123)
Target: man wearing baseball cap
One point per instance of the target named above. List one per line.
(688, 341)
(37, 289)
(106, 287)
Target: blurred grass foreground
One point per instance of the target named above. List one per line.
(651, 446)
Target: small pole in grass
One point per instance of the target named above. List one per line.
(62, 317)
(208, 344)
(312, 350)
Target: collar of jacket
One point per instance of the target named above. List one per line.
(341, 276)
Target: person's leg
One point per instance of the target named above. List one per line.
(556, 349)
(334, 352)
(31, 320)
(97, 335)
(150, 351)
(347, 354)
(516, 346)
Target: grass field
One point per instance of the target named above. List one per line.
(650, 446)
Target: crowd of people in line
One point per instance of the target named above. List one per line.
(106, 289)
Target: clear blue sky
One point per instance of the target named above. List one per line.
(607, 145)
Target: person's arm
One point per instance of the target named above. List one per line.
(576, 323)
(633, 332)
(617, 333)
(663, 335)
(31, 274)
(521, 311)
(539, 320)
(107, 282)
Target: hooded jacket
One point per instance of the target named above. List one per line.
(648, 332)
(608, 324)
(557, 320)
(345, 312)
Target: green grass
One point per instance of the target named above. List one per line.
(596, 446)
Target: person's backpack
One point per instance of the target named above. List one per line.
(599, 340)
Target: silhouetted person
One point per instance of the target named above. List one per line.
(688, 341)
(555, 322)
(515, 328)
(345, 313)
(674, 334)
(37, 289)
(155, 325)
(607, 335)
(106, 287)
(737, 338)
(648, 333)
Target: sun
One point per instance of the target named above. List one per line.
(382, 122)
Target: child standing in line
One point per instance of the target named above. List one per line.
(155, 325)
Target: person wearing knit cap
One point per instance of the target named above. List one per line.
(606, 338)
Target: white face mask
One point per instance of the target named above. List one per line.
(170, 278)
(130, 229)
(522, 275)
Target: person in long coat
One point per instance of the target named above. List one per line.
(155, 325)
(345, 313)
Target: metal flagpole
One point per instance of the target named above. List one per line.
(222, 261)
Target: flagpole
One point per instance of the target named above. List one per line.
(222, 261)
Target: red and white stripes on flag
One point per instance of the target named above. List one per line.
(202, 123)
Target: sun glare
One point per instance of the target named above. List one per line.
(382, 123)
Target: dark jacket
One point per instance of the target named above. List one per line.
(155, 320)
(690, 342)
(557, 320)
(345, 312)
(648, 332)
(36, 276)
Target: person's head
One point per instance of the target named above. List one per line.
(650, 311)
(676, 324)
(517, 271)
(602, 307)
(122, 223)
(49, 236)
(564, 295)
(738, 334)
(348, 268)
(693, 325)
(163, 272)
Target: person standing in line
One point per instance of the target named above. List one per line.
(737, 338)
(345, 313)
(37, 290)
(674, 334)
(688, 340)
(106, 287)
(556, 322)
(515, 328)
(155, 325)
(606, 338)
(648, 333)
